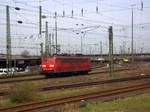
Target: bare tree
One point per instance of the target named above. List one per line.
(25, 53)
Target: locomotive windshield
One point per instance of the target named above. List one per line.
(45, 59)
(51, 59)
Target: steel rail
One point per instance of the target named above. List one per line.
(74, 99)
(95, 83)
(17, 76)
(28, 74)
(69, 86)
(44, 78)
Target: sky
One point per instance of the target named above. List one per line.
(93, 24)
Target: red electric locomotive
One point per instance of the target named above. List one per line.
(64, 64)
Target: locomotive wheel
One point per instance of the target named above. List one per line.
(84, 72)
(49, 75)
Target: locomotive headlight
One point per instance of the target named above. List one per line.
(43, 65)
(51, 65)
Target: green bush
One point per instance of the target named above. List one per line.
(23, 93)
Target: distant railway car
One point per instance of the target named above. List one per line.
(142, 59)
(99, 60)
(64, 64)
(125, 60)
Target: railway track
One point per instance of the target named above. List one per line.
(75, 99)
(17, 76)
(44, 78)
(35, 74)
(50, 88)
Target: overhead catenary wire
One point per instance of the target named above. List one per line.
(33, 11)
(59, 15)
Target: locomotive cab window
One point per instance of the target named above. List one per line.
(44, 59)
(51, 59)
(74, 60)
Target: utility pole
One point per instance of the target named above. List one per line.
(53, 46)
(50, 44)
(141, 51)
(135, 50)
(40, 20)
(81, 45)
(97, 7)
(56, 30)
(101, 49)
(48, 53)
(129, 52)
(121, 52)
(132, 49)
(8, 44)
(46, 38)
(124, 49)
(111, 56)
(41, 44)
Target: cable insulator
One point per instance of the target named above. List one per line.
(96, 9)
(55, 14)
(141, 5)
(20, 22)
(72, 13)
(43, 16)
(82, 11)
(17, 8)
(63, 13)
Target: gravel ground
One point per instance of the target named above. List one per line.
(144, 68)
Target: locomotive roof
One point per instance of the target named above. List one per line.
(68, 56)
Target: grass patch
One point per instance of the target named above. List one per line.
(26, 93)
(70, 80)
(22, 78)
(65, 93)
(23, 93)
(4, 102)
(140, 103)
